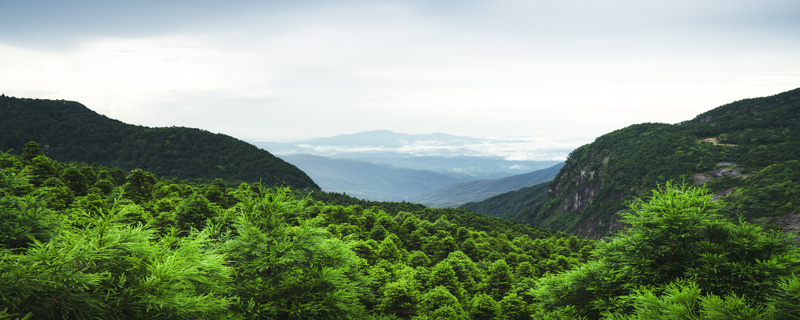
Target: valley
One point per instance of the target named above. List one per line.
(437, 170)
(400, 160)
(91, 233)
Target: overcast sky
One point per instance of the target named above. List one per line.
(283, 70)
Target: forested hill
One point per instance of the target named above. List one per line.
(757, 138)
(73, 132)
(81, 242)
(478, 190)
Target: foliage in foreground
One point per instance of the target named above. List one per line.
(83, 242)
(680, 260)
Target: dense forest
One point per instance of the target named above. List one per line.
(81, 239)
(728, 149)
(72, 132)
(84, 241)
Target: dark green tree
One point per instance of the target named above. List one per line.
(513, 307)
(500, 279)
(26, 220)
(30, 151)
(442, 275)
(388, 250)
(139, 186)
(193, 211)
(439, 303)
(484, 307)
(289, 271)
(42, 168)
(75, 180)
(400, 298)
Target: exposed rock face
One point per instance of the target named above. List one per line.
(723, 170)
(586, 184)
(580, 188)
(734, 172)
(596, 228)
(790, 222)
(589, 181)
(582, 196)
(724, 193)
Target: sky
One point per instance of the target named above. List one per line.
(291, 70)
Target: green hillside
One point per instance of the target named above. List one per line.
(82, 242)
(477, 190)
(72, 132)
(719, 148)
(368, 180)
(85, 241)
(509, 204)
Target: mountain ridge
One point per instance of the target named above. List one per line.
(477, 190)
(368, 180)
(72, 132)
(600, 177)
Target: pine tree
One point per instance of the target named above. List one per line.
(676, 235)
(484, 307)
(289, 271)
(110, 270)
(139, 186)
(500, 279)
(30, 151)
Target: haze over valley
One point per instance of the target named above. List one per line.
(383, 165)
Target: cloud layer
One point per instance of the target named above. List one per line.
(271, 70)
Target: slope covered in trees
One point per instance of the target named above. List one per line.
(73, 132)
(478, 190)
(718, 148)
(511, 204)
(368, 180)
(679, 259)
(83, 241)
(80, 242)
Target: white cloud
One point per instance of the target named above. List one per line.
(265, 71)
(135, 79)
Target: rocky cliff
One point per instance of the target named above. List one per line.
(719, 149)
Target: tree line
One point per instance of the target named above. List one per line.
(81, 241)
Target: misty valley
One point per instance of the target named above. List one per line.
(107, 220)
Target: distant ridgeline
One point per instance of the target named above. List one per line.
(746, 152)
(68, 131)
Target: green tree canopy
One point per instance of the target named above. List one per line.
(676, 235)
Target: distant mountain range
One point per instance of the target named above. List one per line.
(476, 190)
(434, 169)
(386, 143)
(366, 180)
(464, 158)
(371, 181)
